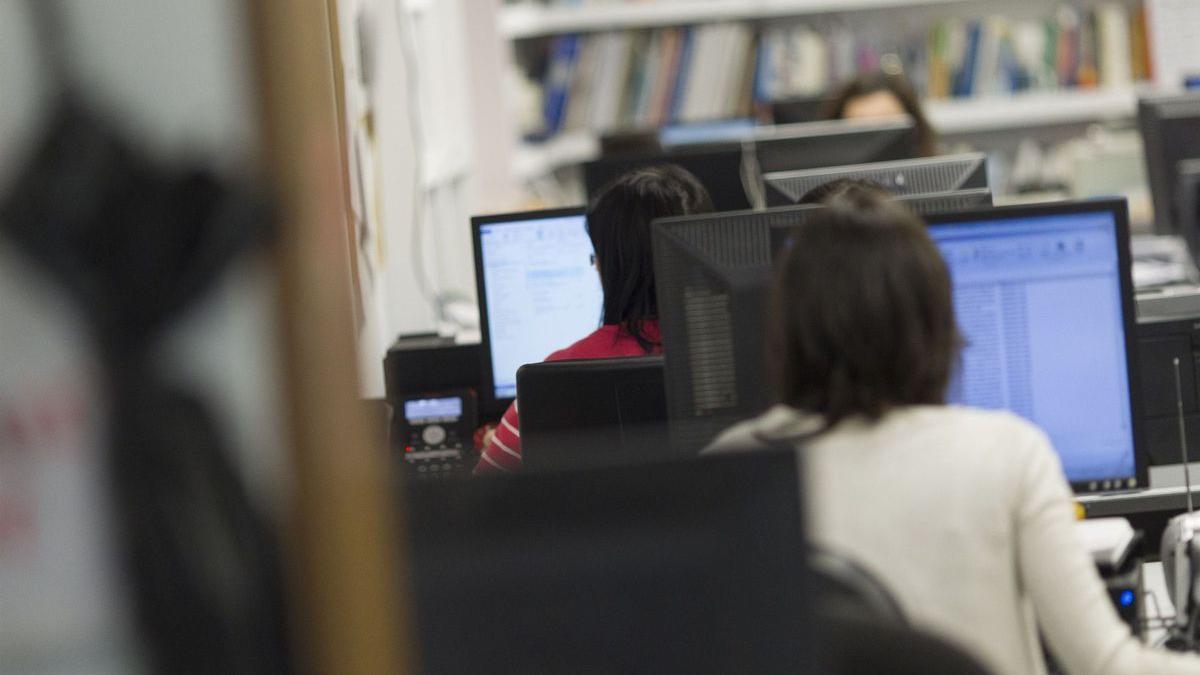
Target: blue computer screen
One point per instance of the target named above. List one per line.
(1038, 300)
(542, 291)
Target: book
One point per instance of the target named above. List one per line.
(557, 84)
(646, 78)
(1113, 45)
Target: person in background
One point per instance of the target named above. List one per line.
(964, 514)
(886, 93)
(618, 224)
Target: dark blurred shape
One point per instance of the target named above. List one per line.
(800, 109)
(1170, 126)
(624, 142)
(682, 567)
(136, 244)
(718, 167)
(862, 646)
(577, 414)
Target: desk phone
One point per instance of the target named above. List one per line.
(435, 433)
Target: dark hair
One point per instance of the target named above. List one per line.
(840, 186)
(619, 226)
(863, 316)
(898, 85)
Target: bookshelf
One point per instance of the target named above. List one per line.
(1031, 109)
(950, 117)
(532, 160)
(529, 20)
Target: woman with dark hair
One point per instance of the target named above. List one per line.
(618, 223)
(964, 514)
(884, 94)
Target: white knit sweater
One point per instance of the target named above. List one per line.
(966, 516)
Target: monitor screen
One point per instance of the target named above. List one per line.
(539, 291)
(433, 410)
(1039, 300)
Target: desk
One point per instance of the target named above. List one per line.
(1143, 501)
(1148, 510)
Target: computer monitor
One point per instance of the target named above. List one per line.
(945, 173)
(1074, 376)
(813, 145)
(732, 170)
(694, 566)
(801, 109)
(712, 273)
(1188, 198)
(1044, 298)
(538, 290)
(577, 414)
(1170, 134)
(693, 133)
(718, 167)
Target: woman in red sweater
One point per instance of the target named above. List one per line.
(619, 225)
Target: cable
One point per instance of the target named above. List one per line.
(416, 130)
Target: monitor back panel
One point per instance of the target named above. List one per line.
(718, 167)
(684, 567)
(577, 414)
(834, 143)
(1170, 128)
(926, 175)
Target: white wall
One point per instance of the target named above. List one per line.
(438, 139)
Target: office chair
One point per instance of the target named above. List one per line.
(867, 630)
(599, 412)
(847, 588)
(864, 646)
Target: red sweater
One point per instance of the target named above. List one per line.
(503, 452)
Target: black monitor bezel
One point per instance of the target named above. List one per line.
(487, 380)
(1119, 210)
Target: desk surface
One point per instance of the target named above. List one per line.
(1166, 493)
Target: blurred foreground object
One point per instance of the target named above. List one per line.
(132, 245)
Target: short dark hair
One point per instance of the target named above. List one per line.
(619, 226)
(839, 186)
(898, 86)
(863, 317)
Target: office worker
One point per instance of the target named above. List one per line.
(886, 93)
(964, 514)
(618, 224)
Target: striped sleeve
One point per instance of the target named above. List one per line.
(503, 452)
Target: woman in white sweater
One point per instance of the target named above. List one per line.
(964, 514)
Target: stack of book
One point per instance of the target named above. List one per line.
(1103, 47)
(640, 79)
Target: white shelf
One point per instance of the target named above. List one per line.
(538, 159)
(1034, 109)
(528, 19)
(948, 117)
